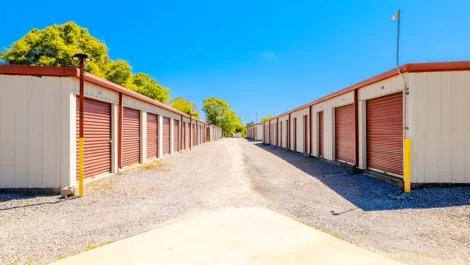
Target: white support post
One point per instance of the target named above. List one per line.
(143, 137)
(71, 180)
(114, 137)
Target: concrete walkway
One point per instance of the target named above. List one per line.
(231, 236)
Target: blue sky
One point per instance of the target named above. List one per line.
(262, 56)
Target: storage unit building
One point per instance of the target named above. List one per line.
(39, 127)
(363, 125)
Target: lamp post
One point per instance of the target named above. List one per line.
(82, 58)
(406, 141)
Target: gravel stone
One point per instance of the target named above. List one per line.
(428, 226)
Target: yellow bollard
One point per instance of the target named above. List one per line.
(407, 165)
(80, 166)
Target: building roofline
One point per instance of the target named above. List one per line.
(90, 78)
(407, 68)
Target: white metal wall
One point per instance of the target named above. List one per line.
(37, 119)
(259, 132)
(440, 127)
(300, 129)
(283, 119)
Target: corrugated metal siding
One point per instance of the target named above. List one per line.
(344, 133)
(144, 106)
(320, 133)
(130, 137)
(439, 121)
(152, 136)
(176, 135)
(97, 134)
(166, 135)
(299, 115)
(37, 132)
(385, 133)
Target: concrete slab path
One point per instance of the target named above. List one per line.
(246, 235)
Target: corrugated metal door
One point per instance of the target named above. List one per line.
(166, 135)
(280, 133)
(344, 133)
(176, 135)
(320, 133)
(130, 137)
(305, 134)
(152, 136)
(97, 133)
(385, 133)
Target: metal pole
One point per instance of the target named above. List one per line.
(406, 141)
(81, 136)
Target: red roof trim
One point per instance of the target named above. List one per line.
(39, 70)
(407, 68)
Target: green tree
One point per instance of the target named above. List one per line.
(267, 118)
(185, 106)
(251, 123)
(119, 72)
(148, 86)
(219, 113)
(55, 45)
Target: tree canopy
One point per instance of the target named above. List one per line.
(219, 113)
(185, 106)
(267, 118)
(55, 45)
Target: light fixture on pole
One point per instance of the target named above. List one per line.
(82, 58)
(406, 141)
(397, 16)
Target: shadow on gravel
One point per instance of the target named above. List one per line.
(5, 197)
(367, 193)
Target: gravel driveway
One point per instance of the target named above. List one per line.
(430, 226)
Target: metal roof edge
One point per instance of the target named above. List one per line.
(406, 68)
